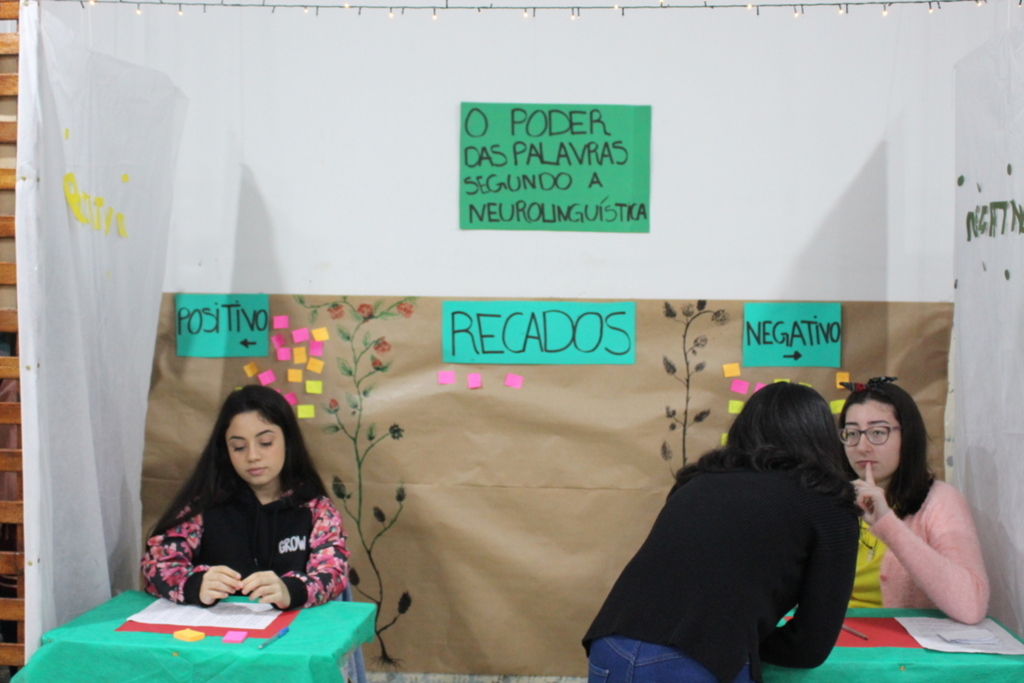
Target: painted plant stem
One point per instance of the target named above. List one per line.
(359, 366)
(691, 313)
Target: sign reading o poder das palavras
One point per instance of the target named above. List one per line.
(574, 167)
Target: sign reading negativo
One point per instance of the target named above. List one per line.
(575, 167)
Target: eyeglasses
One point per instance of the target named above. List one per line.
(875, 435)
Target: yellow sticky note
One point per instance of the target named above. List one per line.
(294, 374)
(837, 406)
(314, 386)
(805, 384)
(67, 134)
(124, 178)
(299, 355)
(840, 378)
(731, 369)
(725, 437)
(735, 407)
(188, 635)
(251, 370)
(780, 380)
(320, 334)
(307, 411)
(315, 365)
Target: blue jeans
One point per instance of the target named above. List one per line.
(617, 659)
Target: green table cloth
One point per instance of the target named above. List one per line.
(89, 649)
(905, 665)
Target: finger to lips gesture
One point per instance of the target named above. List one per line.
(871, 497)
(268, 588)
(218, 583)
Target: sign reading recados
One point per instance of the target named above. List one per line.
(539, 332)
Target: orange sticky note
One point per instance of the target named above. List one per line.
(840, 378)
(731, 369)
(188, 635)
(321, 334)
(315, 365)
(299, 355)
(294, 374)
(251, 370)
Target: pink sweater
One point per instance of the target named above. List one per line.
(934, 559)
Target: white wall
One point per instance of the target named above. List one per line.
(792, 158)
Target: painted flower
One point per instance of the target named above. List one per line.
(332, 406)
(396, 432)
(381, 346)
(337, 311)
(376, 362)
(405, 308)
(365, 310)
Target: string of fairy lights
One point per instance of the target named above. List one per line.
(529, 11)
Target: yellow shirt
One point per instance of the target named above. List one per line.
(867, 589)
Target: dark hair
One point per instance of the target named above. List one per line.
(912, 480)
(214, 480)
(783, 426)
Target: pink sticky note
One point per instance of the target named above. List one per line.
(291, 398)
(277, 340)
(514, 381)
(759, 387)
(446, 377)
(300, 335)
(739, 386)
(235, 636)
(316, 348)
(474, 381)
(284, 354)
(280, 323)
(267, 377)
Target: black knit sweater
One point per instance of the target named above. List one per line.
(728, 556)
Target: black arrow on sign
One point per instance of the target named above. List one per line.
(246, 343)
(795, 355)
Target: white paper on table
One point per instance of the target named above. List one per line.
(239, 615)
(930, 632)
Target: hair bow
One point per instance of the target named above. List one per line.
(873, 383)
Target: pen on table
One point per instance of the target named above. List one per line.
(854, 632)
(276, 636)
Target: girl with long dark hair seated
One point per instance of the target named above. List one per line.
(253, 518)
(750, 531)
(918, 545)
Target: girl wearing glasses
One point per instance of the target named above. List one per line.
(918, 545)
(748, 532)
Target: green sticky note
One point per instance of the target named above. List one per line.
(803, 335)
(563, 167)
(222, 325)
(538, 332)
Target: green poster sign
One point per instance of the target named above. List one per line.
(538, 332)
(792, 335)
(571, 167)
(221, 325)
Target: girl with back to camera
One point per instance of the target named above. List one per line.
(918, 545)
(253, 517)
(748, 532)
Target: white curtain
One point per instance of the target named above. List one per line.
(989, 314)
(96, 158)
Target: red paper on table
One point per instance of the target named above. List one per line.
(280, 621)
(881, 632)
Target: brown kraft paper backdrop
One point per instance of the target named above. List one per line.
(519, 507)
